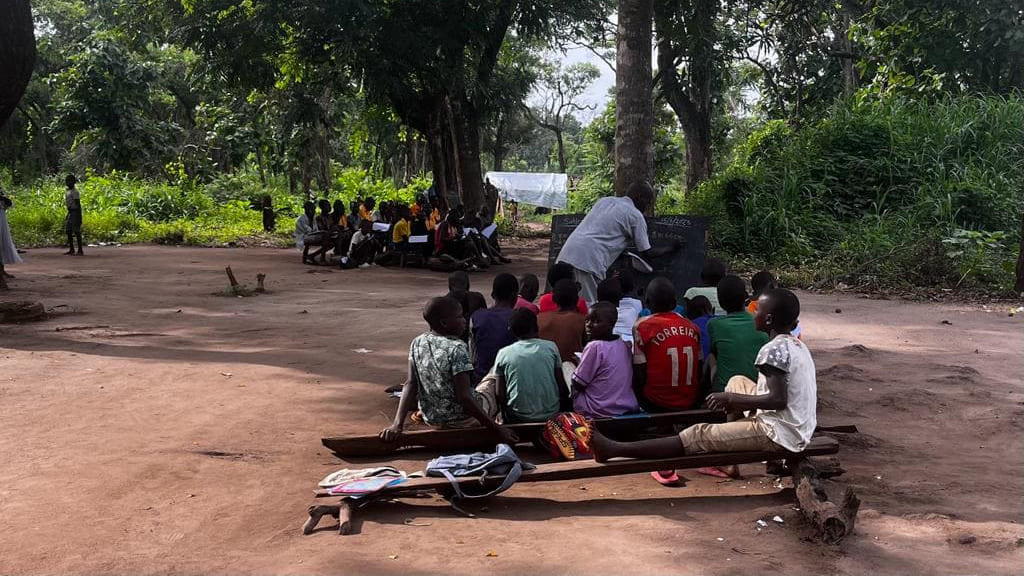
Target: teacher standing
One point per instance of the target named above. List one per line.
(611, 226)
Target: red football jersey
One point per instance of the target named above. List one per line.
(670, 347)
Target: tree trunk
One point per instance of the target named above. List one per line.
(1018, 287)
(499, 144)
(690, 97)
(634, 105)
(437, 167)
(17, 54)
(843, 35)
(466, 122)
(698, 150)
(561, 151)
(410, 156)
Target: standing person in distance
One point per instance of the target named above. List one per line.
(73, 221)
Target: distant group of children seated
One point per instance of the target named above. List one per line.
(517, 361)
(365, 234)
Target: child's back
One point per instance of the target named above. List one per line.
(735, 341)
(528, 367)
(489, 326)
(666, 347)
(565, 326)
(560, 271)
(710, 275)
(437, 359)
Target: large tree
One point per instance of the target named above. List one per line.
(17, 58)
(634, 105)
(689, 66)
(17, 54)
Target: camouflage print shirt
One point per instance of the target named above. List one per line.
(436, 359)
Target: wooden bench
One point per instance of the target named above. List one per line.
(460, 439)
(832, 521)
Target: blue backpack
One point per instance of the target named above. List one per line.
(503, 462)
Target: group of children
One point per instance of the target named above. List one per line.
(365, 234)
(521, 361)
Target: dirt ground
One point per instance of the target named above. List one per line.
(159, 428)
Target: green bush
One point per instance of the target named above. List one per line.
(873, 192)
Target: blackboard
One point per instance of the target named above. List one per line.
(682, 267)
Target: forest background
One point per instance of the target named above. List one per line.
(853, 141)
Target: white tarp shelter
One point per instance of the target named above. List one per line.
(539, 189)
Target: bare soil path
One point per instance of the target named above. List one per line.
(160, 428)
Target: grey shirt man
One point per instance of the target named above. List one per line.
(611, 226)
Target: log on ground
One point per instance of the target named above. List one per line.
(832, 521)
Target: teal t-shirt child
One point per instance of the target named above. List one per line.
(528, 367)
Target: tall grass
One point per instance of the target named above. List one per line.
(119, 208)
(870, 193)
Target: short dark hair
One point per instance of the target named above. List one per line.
(607, 310)
(712, 272)
(324, 205)
(609, 290)
(642, 194)
(458, 281)
(70, 180)
(560, 271)
(784, 306)
(566, 294)
(439, 308)
(308, 206)
(732, 293)
(522, 323)
(698, 306)
(529, 285)
(761, 282)
(505, 287)
(661, 295)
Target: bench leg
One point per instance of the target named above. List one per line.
(316, 512)
(344, 518)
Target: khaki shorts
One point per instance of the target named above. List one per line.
(486, 397)
(746, 435)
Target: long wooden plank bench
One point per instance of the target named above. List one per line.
(833, 521)
(620, 428)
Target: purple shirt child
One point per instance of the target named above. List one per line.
(490, 333)
(603, 382)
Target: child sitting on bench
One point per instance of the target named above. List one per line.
(438, 381)
(529, 374)
(458, 288)
(602, 385)
(363, 248)
(735, 341)
(564, 326)
(489, 326)
(529, 286)
(666, 359)
(560, 271)
(783, 400)
(710, 275)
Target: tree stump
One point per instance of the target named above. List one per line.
(833, 522)
(22, 311)
(259, 283)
